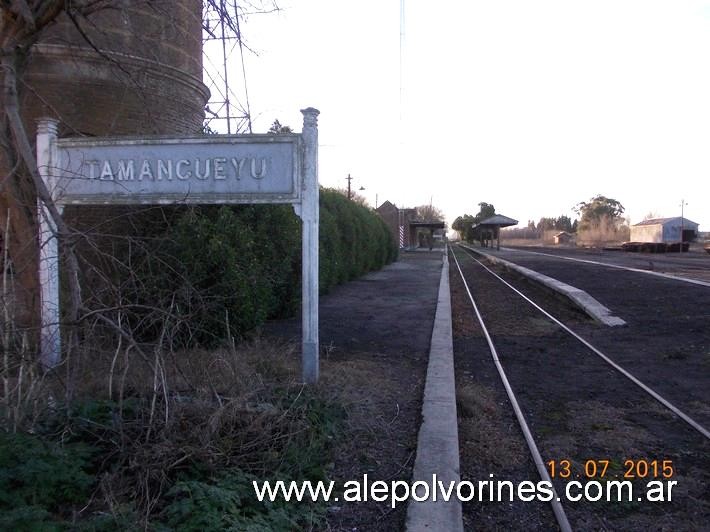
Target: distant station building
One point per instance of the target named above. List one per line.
(664, 230)
(406, 229)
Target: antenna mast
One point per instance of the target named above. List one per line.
(401, 59)
(226, 111)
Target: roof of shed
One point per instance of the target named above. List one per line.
(665, 221)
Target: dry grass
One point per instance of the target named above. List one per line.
(481, 423)
(158, 415)
(608, 427)
(531, 242)
(155, 416)
(603, 233)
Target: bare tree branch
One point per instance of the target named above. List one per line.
(23, 9)
(28, 158)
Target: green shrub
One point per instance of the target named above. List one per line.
(229, 503)
(214, 267)
(330, 253)
(354, 240)
(44, 484)
(242, 264)
(221, 279)
(40, 480)
(276, 233)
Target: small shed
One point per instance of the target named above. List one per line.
(489, 228)
(664, 230)
(563, 237)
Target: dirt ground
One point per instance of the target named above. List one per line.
(374, 336)
(578, 410)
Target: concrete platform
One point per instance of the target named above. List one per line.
(692, 267)
(438, 443)
(580, 298)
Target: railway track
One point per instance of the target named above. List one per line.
(579, 410)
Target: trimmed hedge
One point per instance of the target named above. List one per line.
(353, 240)
(241, 265)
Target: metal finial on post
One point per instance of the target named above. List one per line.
(48, 271)
(310, 117)
(47, 126)
(309, 217)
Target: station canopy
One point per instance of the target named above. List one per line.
(492, 227)
(428, 225)
(495, 221)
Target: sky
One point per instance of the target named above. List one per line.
(531, 106)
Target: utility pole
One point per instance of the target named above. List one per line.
(350, 194)
(682, 223)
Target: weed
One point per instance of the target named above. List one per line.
(229, 503)
(40, 479)
(479, 421)
(238, 417)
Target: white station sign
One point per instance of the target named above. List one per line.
(207, 169)
(210, 169)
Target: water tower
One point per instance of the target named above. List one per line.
(133, 68)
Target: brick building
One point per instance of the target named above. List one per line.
(404, 226)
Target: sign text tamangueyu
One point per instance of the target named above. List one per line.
(210, 169)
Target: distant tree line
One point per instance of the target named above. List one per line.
(561, 223)
(596, 212)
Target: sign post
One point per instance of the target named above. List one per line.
(49, 340)
(209, 169)
(309, 271)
